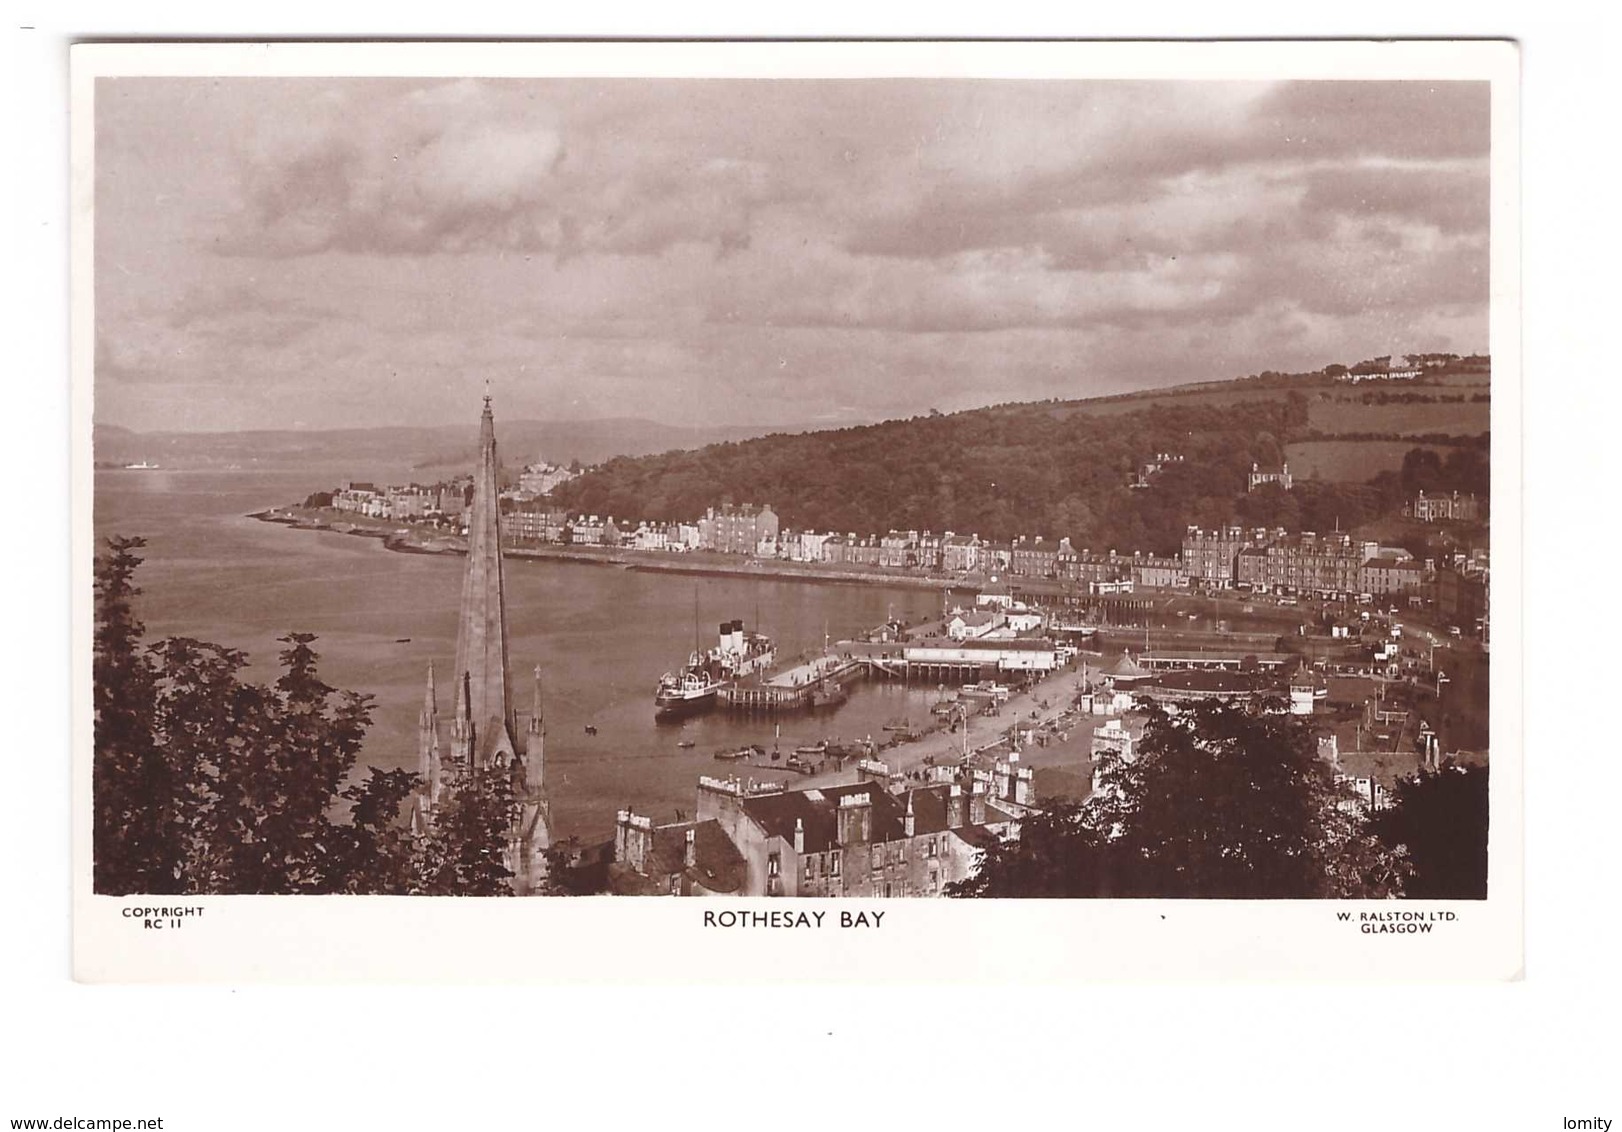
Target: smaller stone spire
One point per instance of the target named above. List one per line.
(462, 709)
(430, 702)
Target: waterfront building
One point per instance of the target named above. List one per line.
(406, 502)
(484, 734)
(1391, 572)
(961, 626)
(589, 530)
(535, 524)
(1001, 654)
(811, 546)
(737, 530)
(1210, 557)
(1086, 567)
(960, 554)
(1035, 558)
(1125, 673)
(1307, 562)
(1148, 570)
(997, 556)
(651, 536)
(862, 552)
(358, 497)
(927, 547)
(896, 549)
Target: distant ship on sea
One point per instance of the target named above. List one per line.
(143, 466)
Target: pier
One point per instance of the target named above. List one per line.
(793, 688)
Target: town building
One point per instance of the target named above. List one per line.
(541, 478)
(1000, 654)
(863, 551)
(960, 554)
(1161, 573)
(737, 530)
(532, 523)
(1034, 558)
(1460, 599)
(860, 839)
(1453, 508)
(1306, 563)
(898, 549)
(1211, 557)
(1391, 572)
(1259, 478)
(359, 497)
(690, 858)
(1152, 468)
(928, 548)
(963, 626)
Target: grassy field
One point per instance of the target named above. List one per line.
(1349, 414)
(1348, 461)
(1219, 398)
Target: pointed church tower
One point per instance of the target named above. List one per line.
(481, 637)
(428, 740)
(535, 737)
(483, 723)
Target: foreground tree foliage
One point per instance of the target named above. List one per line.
(1439, 818)
(1222, 802)
(206, 783)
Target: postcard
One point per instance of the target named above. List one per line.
(743, 511)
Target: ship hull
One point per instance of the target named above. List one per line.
(674, 707)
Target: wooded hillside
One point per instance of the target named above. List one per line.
(1025, 469)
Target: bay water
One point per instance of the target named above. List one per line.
(601, 635)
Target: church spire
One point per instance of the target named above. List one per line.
(430, 702)
(481, 638)
(428, 753)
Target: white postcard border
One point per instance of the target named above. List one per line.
(610, 940)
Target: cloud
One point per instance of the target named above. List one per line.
(1450, 198)
(466, 167)
(730, 250)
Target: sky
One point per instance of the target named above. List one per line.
(340, 252)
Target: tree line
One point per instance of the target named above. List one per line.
(1002, 472)
(1023, 469)
(204, 782)
(1230, 802)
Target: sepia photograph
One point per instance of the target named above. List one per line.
(735, 485)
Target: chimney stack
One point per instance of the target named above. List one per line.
(690, 853)
(799, 835)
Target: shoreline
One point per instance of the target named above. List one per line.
(641, 561)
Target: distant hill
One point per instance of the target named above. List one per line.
(436, 451)
(1062, 468)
